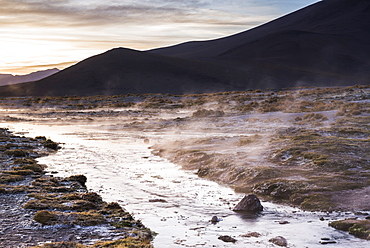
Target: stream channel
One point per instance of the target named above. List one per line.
(119, 165)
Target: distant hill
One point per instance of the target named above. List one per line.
(7, 79)
(324, 44)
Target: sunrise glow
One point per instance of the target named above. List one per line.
(38, 34)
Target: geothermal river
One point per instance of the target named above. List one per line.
(119, 166)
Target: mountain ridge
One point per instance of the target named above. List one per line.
(122, 70)
(323, 44)
(7, 79)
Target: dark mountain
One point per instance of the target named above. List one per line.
(4, 76)
(121, 70)
(327, 43)
(7, 79)
(322, 44)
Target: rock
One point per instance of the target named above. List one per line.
(249, 203)
(283, 222)
(358, 228)
(157, 200)
(69, 238)
(227, 238)
(214, 219)
(325, 241)
(279, 240)
(251, 234)
(361, 213)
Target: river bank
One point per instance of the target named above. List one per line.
(39, 209)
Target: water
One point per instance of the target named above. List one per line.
(119, 166)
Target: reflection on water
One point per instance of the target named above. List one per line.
(174, 203)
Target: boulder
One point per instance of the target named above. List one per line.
(227, 238)
(249, 203)
(215, 219)
(279, 240)
(251, 234)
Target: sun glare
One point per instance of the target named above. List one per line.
(18, 53)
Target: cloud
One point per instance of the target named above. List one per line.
(52, 31)
(37, 67)
(76, 13)
(125, 22)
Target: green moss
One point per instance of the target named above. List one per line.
(125, 243)
(320, 202)
(46, 182)
(279, 189)
(317, 158)
(45, 217)
(81, 179)
(60, 204)
(122, 224)
(113, 206)
(7, 178)
(8, 189)
(92, 197)
(50, 144)
(343, 225)
(61, 245)
(116, 212)
(208, 113)
(249, 140)
(184, 152)
(20, 171)
(358, 228)
(90, 218)
(304, 136)
(70, 197)
(314, 116)
(38, 205)
(200, 157)
(122, 243)
(17, 153)
(32, 167)
(203, 172)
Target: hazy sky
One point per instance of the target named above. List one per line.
(41, 34)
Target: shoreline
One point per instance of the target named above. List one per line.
(42, 209)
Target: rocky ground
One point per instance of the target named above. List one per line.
(304, 147)
(38, 210)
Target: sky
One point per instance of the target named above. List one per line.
(43, 34)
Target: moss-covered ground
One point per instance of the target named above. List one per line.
(51, 201)
(307, 147)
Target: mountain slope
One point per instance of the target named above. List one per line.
(7, 79)
(121, 71)
(341, 17)
(325, 43)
